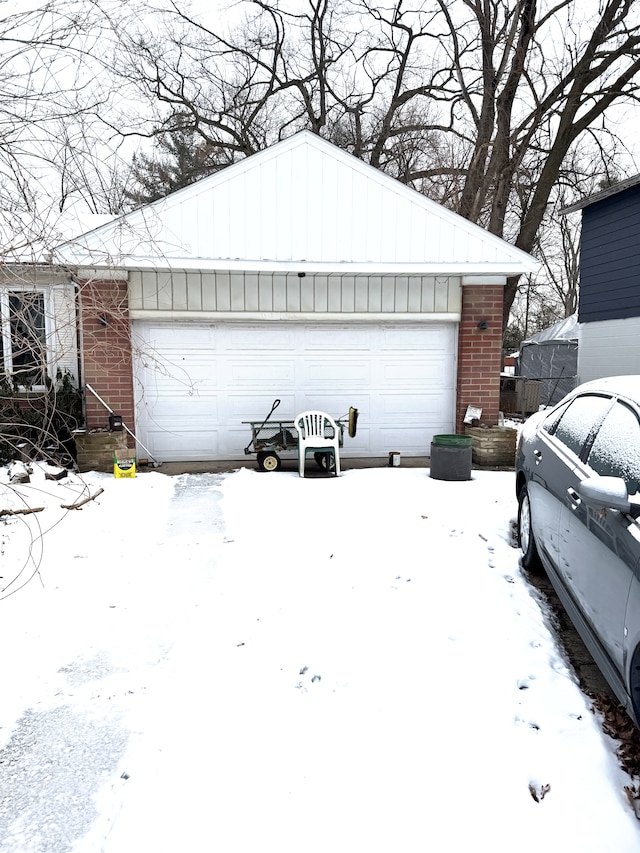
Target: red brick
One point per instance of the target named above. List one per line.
(107, 351)
(479, 352)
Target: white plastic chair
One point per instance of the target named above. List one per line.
(312, 430)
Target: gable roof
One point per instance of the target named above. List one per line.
(614, 189)
(302, 203)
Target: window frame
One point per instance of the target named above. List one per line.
(553, 421)
(6, 354)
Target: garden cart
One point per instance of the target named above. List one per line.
(270, 437)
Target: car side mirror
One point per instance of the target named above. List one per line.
(609, 492)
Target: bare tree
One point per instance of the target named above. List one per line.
(476, 104)
(56, 93)
(552, 295)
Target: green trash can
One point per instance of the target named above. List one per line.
(450, 457)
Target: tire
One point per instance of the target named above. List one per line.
(526, 542)
(634, 684)
(321, 462)
(269, 461)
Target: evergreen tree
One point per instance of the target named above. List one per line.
(181, 158)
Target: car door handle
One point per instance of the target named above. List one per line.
(537, 455)
(574, 497)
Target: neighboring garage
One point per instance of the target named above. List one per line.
(300, 274)
(401, 378)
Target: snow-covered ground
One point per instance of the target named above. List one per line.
(254, 661)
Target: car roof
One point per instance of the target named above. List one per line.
(627, 386)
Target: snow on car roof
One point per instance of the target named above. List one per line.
(628, 385)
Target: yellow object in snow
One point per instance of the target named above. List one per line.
(124, 468)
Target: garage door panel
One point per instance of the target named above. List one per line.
(337, 339)
(255, 407)
(360, 445)
(421, 339)
(336, 404)
(415, 373)
(337, 373)
(408, 406)
(181, 375)
(262, 372)
(233, 441)
(169, 337)
(260, 337)
(184, 383)
(196, 374)
(182, 445)
(164, 395)
(410, 440)
(203, 422)
(212, 378)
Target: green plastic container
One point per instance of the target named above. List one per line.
(452, 440)
(451, 459)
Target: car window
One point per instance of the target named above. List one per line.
(616, 448)
(551, 422)
(579, 420)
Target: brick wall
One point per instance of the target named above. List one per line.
(480, 352)
(107, 351)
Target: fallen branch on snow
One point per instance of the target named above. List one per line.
(80, 504)
(539, 792)
(4, 512)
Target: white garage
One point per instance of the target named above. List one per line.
(196, 383)
(300, 274)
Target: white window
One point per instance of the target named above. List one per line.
(23, 336)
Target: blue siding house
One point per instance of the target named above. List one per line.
(609, 300)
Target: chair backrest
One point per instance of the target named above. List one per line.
(312, 425)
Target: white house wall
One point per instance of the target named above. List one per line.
(267, 292)
(608, 348)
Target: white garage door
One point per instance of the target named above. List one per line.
(197, 383)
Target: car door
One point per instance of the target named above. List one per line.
(600, 547)
(561, 439)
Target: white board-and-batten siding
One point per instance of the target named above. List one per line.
(340, 214)
(320, 225)
(288, 293)
(302, 205)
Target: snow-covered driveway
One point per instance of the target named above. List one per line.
(258, 662)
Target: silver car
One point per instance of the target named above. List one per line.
(578, 489)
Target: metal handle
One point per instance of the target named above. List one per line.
(574, 497)
(275, 405)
